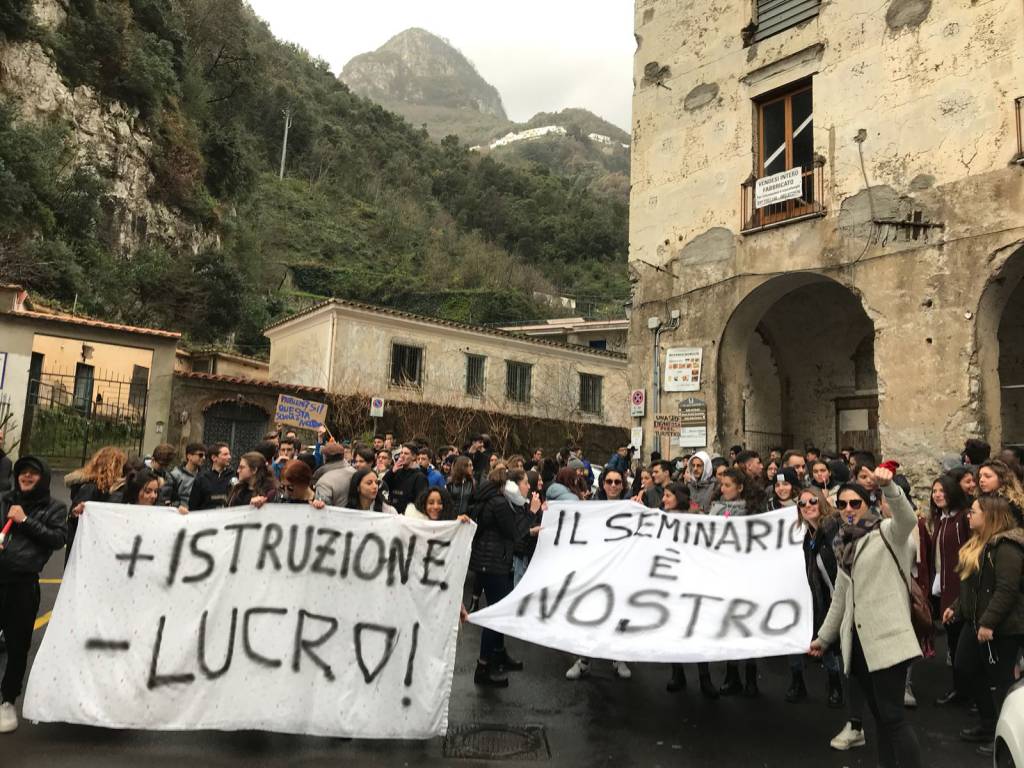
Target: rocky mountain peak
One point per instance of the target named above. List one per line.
(418, 67)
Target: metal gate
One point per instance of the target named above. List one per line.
(240, 425)
(69, 416)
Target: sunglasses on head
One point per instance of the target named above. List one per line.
(286, 488)
(810, 503)
(852, 504)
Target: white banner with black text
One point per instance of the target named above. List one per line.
(617, 580)
(290, 619)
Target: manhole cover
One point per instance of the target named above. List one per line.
(497, 742)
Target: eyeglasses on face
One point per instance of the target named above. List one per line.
(810, 503)
(852, 504)
(611, 481)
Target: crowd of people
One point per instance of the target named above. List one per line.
(953, 560)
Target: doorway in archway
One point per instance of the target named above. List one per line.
(796, 368)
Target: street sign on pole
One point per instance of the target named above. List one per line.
(377, 407)
(637, 402)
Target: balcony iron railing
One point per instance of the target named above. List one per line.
(809, 205)
(1018, 105)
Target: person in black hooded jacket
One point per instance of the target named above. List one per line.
(491, 563)
(39, 528)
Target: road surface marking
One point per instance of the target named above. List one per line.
(42, 620)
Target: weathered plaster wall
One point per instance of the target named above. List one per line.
(933, 92)
(300, 352)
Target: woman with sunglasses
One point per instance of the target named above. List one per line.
(990, 566)
(818, 517)
(875, 632)
(948, 510)
(611, 487)
(296, 485)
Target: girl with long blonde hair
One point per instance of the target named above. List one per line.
(102, 475)
(990, 565)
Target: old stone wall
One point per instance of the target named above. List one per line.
(913, 118)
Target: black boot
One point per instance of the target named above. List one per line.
(731, 685)
(750, 690)
(706, 686)
(506, 663)
(835, 690)
(797, 689)
(678, 680)
(489, 675)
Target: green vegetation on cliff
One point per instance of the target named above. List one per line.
(370, 209)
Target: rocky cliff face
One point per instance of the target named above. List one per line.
(419, 68)
(105, 135)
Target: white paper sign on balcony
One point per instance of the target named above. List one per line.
(779, 187)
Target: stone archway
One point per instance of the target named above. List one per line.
(1000, 346)
(796, 368)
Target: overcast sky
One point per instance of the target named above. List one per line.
(541, 55)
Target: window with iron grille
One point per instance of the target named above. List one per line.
(518, 381)
(590, 393)
(138, 388)
(774, 16)
(406, 366)
(475, 375)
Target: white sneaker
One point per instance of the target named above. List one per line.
(580, 668)
(848, 738)
(8, 718)
(909, 700)
(621, 670)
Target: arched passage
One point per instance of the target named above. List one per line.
(796, 367)
(1000, 345)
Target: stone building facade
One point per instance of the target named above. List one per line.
(358, 351)
(880, 307)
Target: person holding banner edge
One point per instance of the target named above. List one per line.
(869, 616)
(36, 526)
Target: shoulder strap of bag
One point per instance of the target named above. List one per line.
(896, 560)
(824, 574)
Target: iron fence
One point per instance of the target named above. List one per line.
(71, 415)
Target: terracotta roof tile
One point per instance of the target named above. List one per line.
(245, 381)
(54, 317)
(448, 324)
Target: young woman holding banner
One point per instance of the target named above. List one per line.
(676, 498)
(255, 484)
(365, 493)
(611, 487)
(877, 636)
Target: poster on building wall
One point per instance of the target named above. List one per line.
(667, 423)
(779, 187)
(296, 412)
(636, 437)
(682, 369)
(693, 423)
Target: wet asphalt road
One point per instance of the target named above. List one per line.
(600, 720)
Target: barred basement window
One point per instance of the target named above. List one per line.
(518, 381)
(590, 393)
(475, 375)
(406, 366)
(774, 16)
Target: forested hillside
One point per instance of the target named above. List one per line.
(369, 209)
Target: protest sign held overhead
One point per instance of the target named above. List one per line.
(296, 412)
(290, 619)
(617, 580)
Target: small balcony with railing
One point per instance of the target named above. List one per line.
(1018, 109)
(783, 198)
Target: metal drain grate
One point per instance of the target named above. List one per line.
(478, 741)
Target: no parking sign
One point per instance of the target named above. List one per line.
(376, 408)
(637, 402)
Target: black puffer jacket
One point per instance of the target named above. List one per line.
(496, 531)
(462, 495)
(29, 544)
(820, 562)
(991, 596)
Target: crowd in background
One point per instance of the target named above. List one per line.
(954, 559)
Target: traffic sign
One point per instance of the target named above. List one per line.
(376, 408)
(637, 402)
